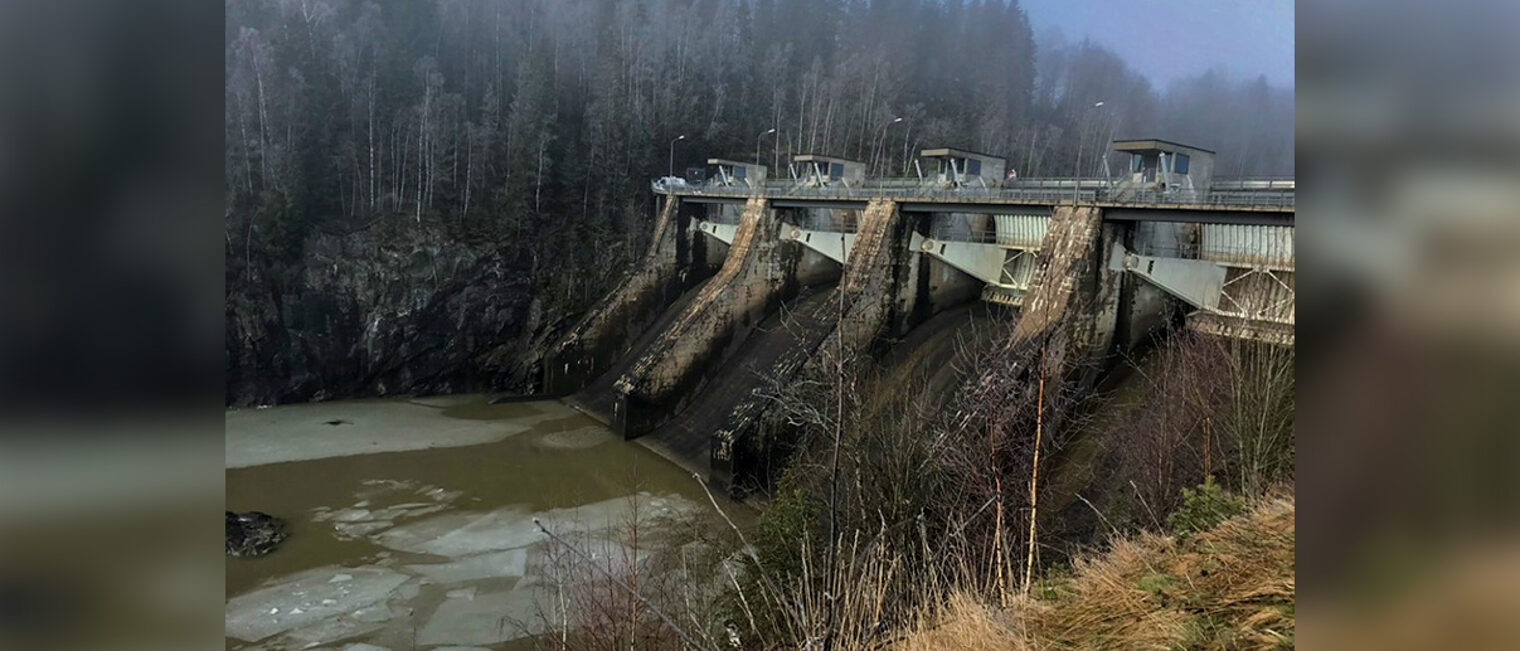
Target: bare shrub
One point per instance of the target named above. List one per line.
(654, 582)
(1206, 406)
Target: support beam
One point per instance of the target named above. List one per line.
(1196, 282)
(833, 245)
(1002, 208)
(722, 232)
(980, 260)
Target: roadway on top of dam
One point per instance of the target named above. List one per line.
(1271, 207)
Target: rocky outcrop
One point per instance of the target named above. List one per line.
(253, 533)
(407, 310)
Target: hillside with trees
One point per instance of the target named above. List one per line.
(421, 194)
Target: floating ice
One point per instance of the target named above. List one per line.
(352, 530)
(508, 563)
(255, 615)
(486, 619)
(352, 515)
(463, 534)
(467, 533)
(326, 631)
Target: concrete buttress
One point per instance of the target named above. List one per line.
(878, 281)
(670, 265)
(1066, 323)
(756, 275)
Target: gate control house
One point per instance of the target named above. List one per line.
(817, 171)
(958, 167)
(1163, 165)
(731, 173)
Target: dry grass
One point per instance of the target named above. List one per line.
(1231, 587)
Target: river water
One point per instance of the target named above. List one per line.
(411, 520)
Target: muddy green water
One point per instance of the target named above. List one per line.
(456, 489)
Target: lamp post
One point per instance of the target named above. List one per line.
(883, 136)
(672, 170)
(1076, 188)
(757, 143)
(906, 134)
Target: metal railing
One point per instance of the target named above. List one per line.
(1034, 191)
(1273, 183)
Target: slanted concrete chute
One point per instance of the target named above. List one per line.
(759, 273)
(674, 262)
(872, 299)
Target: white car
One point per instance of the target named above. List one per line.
(666, 183)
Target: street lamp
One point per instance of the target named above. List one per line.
(757, 143)
(883, 136)
(672, 170)
(1076, 189)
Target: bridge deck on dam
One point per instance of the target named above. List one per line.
(1241, 202)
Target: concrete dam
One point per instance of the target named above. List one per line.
(748, 283)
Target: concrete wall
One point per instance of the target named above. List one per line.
(676, 260)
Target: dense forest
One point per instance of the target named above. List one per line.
(421, 193)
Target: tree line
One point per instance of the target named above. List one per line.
(507, 116)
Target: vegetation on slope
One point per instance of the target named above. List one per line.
(893, 525)
(1230, 586)
(477, 155)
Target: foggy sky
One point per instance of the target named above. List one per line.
(1169, 39)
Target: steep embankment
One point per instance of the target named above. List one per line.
(410, 309)
(1229, 587)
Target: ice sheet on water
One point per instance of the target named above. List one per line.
(487, 619)
(490, 565)
(355, 530)
(468, 533)
(271, 610)
(463, 533)
(325, 631)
